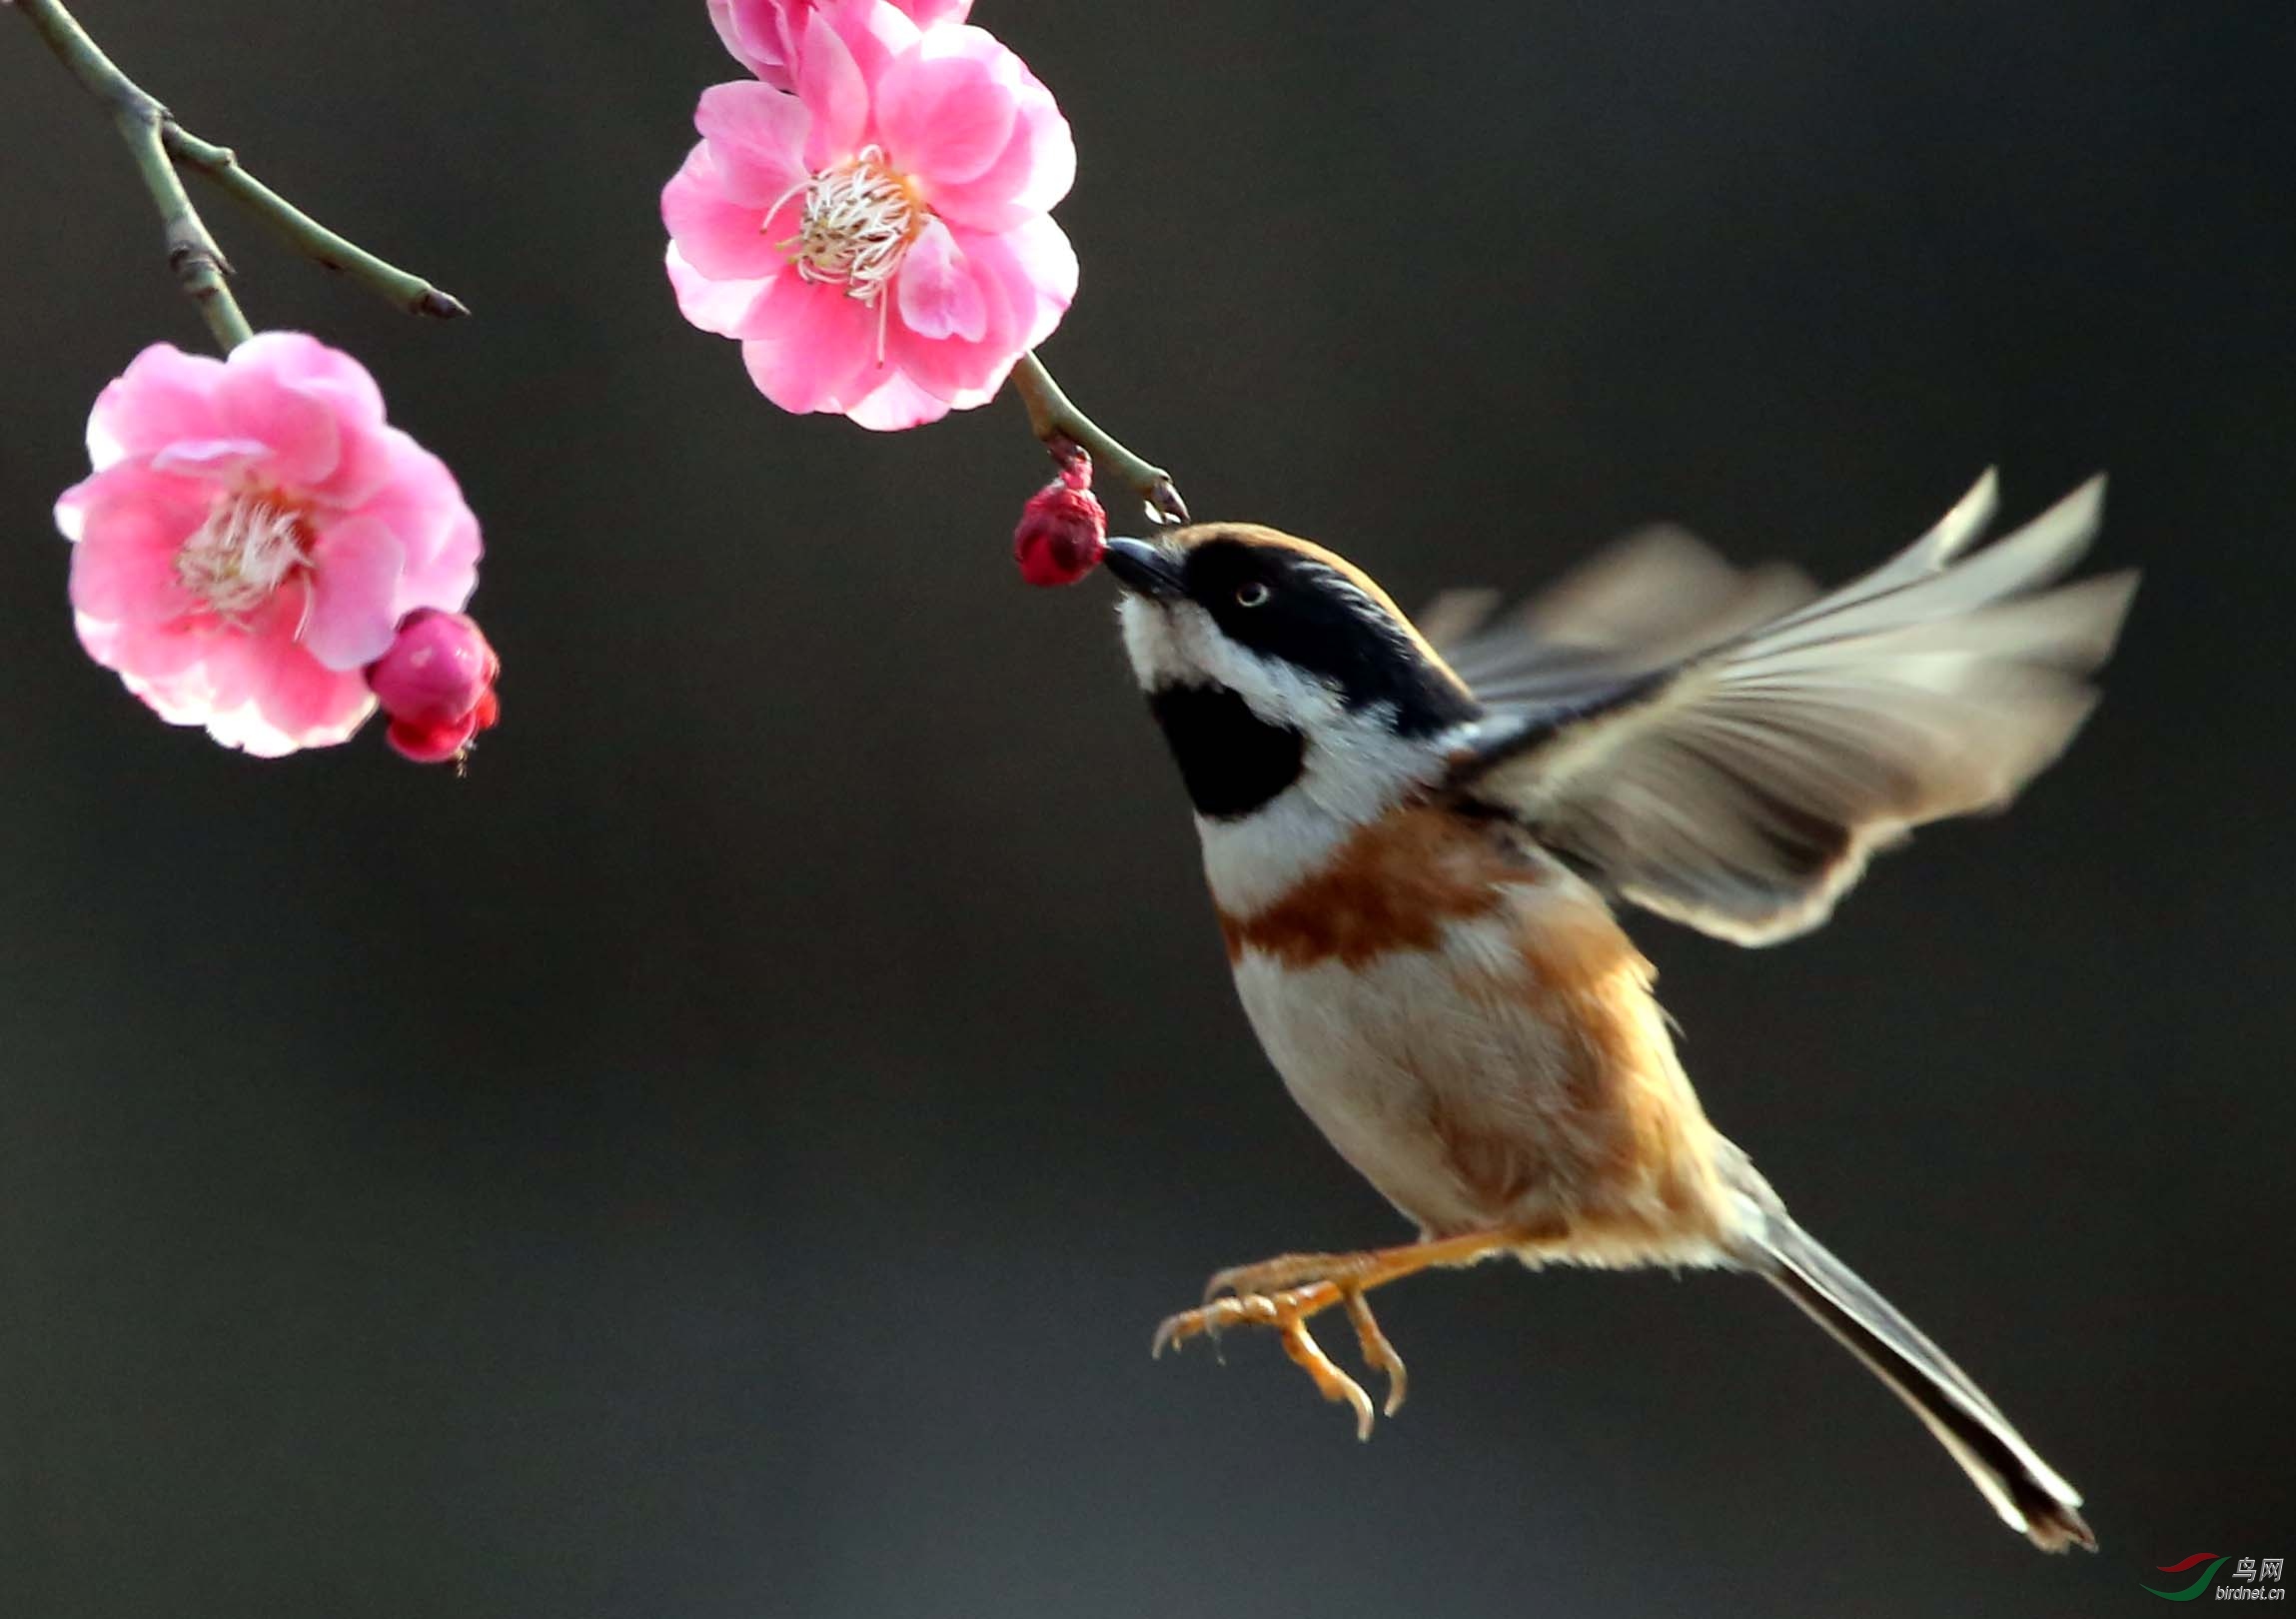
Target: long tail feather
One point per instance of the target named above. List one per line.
(2029, 1494)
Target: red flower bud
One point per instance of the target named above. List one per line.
(1063, 531)
(437, 682)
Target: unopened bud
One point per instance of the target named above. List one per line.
(1063, 531)
(436, 683)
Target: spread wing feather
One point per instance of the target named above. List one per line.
(1727, 747)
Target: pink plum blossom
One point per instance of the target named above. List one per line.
(878, 241)
(763, 34)
(250, 536)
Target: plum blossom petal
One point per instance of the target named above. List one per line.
(128, 585)
(450, 572)
(762, 34)
(950, 367)
(756, 140)
(300, 430)
(209, 457)
(945, 118)
(897, 403)
(424, 507)
(253, 532)
(728, 308)
(298, 362)
(1026, 279)
(164, 395)
(354, 570)
(940, 294)
(300, 703)
(124, 568)
(830, 85)
(874, 31)
(818, 360)
(159, 654)
(721, 238)
(131, 487)
(741, 30)
(207, 688)
(362, 467)
(1037, 165)
(1038, 258)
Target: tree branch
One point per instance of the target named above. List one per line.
(1063, 428)
(191, 254)
(305, 235)
(158, 143)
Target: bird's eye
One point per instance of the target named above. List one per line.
(1251, 595)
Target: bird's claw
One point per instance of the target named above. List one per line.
(1162, 498)
(1287, 1311)
(1376, 1351)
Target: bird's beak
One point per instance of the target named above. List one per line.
(1144, 567)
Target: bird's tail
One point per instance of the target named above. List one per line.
(2023, 1489)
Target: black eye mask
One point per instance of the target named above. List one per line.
(1318, 624)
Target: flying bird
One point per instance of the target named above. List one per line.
(1414, 837)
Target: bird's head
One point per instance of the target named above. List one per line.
(1284, 678)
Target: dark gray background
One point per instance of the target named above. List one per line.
(725, 1157)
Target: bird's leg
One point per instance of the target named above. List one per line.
(1364, 1270)
(1285, 1292)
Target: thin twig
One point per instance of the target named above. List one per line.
(158, 143)
(1061, 426)
(305, 235)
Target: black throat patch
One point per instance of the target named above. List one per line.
(1231, 760)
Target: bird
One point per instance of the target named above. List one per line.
(1417, 837)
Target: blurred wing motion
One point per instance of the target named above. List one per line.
(1726, 748)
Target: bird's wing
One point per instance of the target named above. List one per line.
(1726, 748)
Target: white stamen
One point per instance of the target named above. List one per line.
(855, 228)
(245, 550)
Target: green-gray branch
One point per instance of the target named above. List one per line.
(159, 145)
(1063, 428)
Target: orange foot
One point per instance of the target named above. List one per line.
(1285, 1292)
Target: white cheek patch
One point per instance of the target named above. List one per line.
(1148, 643)
(1177, 643)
